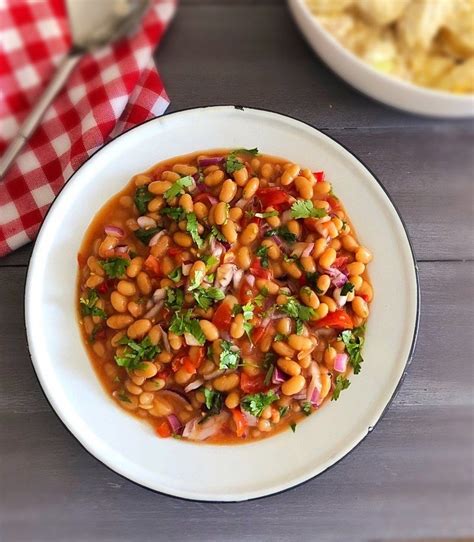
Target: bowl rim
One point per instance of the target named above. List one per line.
(413, 341)
(422, 92)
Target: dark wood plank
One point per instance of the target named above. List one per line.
(411, 477)
(256, 56)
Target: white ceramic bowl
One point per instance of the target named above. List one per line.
(208, 472)
(386, 89)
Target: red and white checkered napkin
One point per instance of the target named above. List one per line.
(110, 91)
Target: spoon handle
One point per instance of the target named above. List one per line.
(31, 122)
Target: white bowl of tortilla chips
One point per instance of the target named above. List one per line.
(416, 55)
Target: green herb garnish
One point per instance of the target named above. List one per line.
(205, 297)
(282, 232)
(136, 352)
(174, 298)
(217, 234)
(176, 274)
(115, 267)
(306, 408)
(214, 402)
(306, 209)
(262, 253)
(347, 288)
(256, 403)
(183, 322)
(141, 199)
(354, 341)
(88, 305)
(342, 383)
(192, 227)
(259, 299)
(178, 187)
(233, 163)
(229, 358)
(176, 213)
(293, 426)
(146, 235)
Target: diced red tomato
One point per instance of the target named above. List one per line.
(319, 176)
(259, 271)
(222, 318)
(175, 251)
(188, 366)
(197, 354)
(271, 196)
(205, 198)
(152, 265)
(340, 262)
(240, 422)
(338, 320)
(334, 203)
(107, 285)
(81, 259)
(258, 333)
(164, 374)
(365, 297)
(246, 292)
(252, 384)
(179, 360)
(310, 224)
(163, 429)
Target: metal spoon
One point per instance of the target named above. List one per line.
(93, 25)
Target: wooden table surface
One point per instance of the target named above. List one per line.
(413, 476)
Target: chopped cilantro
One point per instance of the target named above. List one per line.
(280, 337)
(115, 267)
(141, 199)
(255, 404)
(296, 310)
(233, 163)
(183, 322)
(247, 312)
(88, 305)
(347, 288)
(178, 187)
(229, 358)
(174, 298)
(299, 327)
(175, 275)
(262, 253)
(146, 235)
(210, 261)
(196, 280)
(269, 364)
(176, 213)
(260, 297)
(217, 234)
(214, 402)
(306, 209)
(205, 297)
(123, 397)
(136, 352)
(192, 228)
(354, 341)
(342, 383)
(283, 410)
(282, 232)
(268, 214)
(306, 408)
(293, 426)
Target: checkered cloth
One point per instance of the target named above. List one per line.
(109, 91)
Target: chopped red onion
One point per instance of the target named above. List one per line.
(340, 363)
(216, 248)
(176, 425)
(315, 397)
(194, 430)
(194, 385)
(307, 251)
(114, 231)
(191, 340)
(122, 249)
(300, 396)
(224, 275)
(146, 222)
(252, 421)
(285, 216)
(278, 376)
(210, 161)
(164, 338)
(242, 203)
(214, 374)
(186, 268)
(237, 278)
(155, 238)
(154, 310)
(159, 294)
(315, 382)
(250, 280)
(338, 278)
(340, 300)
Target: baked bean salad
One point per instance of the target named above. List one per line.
(223, 296)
